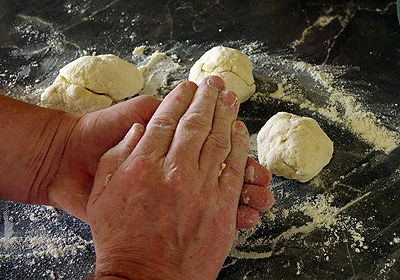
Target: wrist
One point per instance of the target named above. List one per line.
(138, 268)
(55, 138)
(145, 264)
(31, 143)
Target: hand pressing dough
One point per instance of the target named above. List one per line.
(91, 83)
(294, 147)
(234, 67)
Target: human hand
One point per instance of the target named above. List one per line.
(159, 208)
(255, 196)
(90, 139)
(93, 135)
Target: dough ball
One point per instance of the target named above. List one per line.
(73, 98)
(91, 83)
(233, 66)
(294, 147)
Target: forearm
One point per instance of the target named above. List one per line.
(32, 139)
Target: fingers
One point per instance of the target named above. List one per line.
(259, 198)
(231, 179)
(247, 217)
(163, 124)
(113, 159)
(195, 125)
(257, 174)
(218, 144)
(253, 199)
(140, 109)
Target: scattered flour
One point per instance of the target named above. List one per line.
(355, 117)
(321, 215)
(45, 241)
(41, 246)
(341, 107)
(155, 69)
(302, 216)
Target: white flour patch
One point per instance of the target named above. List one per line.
(338, 106)
(155, 69)
(319, 214)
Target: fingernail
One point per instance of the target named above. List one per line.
(240, 127)
(228, 98)
(249, 174)
(215, 82)
(136, 128)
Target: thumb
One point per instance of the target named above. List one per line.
(113, 159)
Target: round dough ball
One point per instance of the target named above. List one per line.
(294, 147)
(233, 66)
(91, 83)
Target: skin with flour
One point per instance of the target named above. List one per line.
(195, 239)
(62, 153)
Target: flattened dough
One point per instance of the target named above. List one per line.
(91, 83)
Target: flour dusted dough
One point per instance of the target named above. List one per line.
(91, 83)
(294, 147)
(233, 66)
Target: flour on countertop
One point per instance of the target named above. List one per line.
(355, 117)
(155, 69)
(45, 238)
(322, 215)
(300, 217)
(340, 107)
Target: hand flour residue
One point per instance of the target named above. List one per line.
(294, 218)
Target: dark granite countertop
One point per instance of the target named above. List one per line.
(312, 58)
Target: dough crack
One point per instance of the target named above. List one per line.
(91, 83)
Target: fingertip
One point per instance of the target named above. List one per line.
(257, 197)
(247, 217)
(240, 127)
(266, 202)
(257, 174)
(236, 237)
(269, 201)
(136, 131)
(189, 86)
(138, 127)
(214, 82)
(229, 98)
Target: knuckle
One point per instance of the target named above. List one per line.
(209, 96)
(220, 141)
(163, 122)
(196, 121)
(235, 168)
